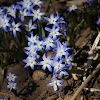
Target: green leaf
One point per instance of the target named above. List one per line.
(41, 30)
(69, 68)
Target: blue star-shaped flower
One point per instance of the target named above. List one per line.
(55, 83)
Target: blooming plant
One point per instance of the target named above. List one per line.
(51, 42)
(55, 83)
(73, 7)
(11, 81)
(25, 22)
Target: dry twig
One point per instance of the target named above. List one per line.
(85, 82)
(91, 54)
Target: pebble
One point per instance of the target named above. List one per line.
(39, 75)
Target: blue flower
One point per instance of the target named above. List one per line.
(32, 54)
(73, 7)
(61, 73)
(12, 11)
(49, 42)
(37, 2)
(31, 48)
(26, 4)
(57, 64)
(11, 85)
(32, 39)
(30, 61)
(11, 81)
(30, 26)
(37, 14)
(15, 27)
(11, 77)
(40, 45)
(23, 13)
(54, 31)
(46, 63)
(68, 60)
(98, 22)
(89, 2)
(4, 22)
(34, 43)
(61, 50)
(52, 19)
(55, 83)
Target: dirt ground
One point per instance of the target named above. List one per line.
(33, 86)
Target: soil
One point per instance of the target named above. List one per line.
(33, 86)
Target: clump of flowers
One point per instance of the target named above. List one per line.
(39, 44)
(41, 39)
(11, 81)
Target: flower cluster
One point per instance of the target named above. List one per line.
(11, 81)
(12, 18)
(9, 16)
(37, 48)
(8, 20)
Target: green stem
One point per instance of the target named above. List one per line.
(41, 30)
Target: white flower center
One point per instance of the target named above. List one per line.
(48, 41)
(60, 52)
(73, 6)
(57, 65)
(46, 62)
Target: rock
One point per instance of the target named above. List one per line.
(39, 75)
